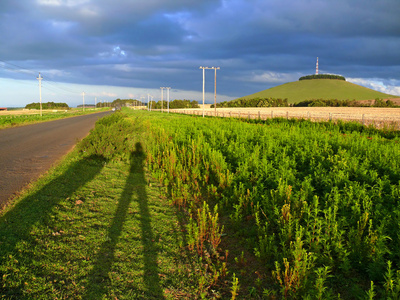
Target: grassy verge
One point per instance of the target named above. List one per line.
(95, 228)
(12, 120)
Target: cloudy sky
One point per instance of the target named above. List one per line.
(130, 48)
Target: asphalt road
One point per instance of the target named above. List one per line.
(26, 152)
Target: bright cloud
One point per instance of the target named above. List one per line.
(391, 86)
(274, 77)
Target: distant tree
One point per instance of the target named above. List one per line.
(47, 105)
(383, 103)
(125, 102)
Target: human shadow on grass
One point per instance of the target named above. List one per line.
(99, 280)
(17, 223)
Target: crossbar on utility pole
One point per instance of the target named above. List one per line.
(40, 92)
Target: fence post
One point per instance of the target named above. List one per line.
(230, 114)
(287, 115)
(249, 116)
(272, 114)
(259, 115)
(308, 115)
(363, 119)
(330, 116)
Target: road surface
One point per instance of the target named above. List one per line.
(26, 152)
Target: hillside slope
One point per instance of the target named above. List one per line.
(320, 89)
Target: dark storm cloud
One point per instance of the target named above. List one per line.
(257, 43)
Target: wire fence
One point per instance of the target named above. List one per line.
(389, 120)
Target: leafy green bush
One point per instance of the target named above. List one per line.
(111, 136)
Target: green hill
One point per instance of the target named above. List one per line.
(320, 89)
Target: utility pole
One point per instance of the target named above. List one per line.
(83, 99)
(215, 89)
(151, 101)
(40, 92)
(204, 77)
(142, 102)
(162, 99)
(168, 88)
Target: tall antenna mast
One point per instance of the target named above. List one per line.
(316, 69)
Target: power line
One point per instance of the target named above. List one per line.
(16, 68)
(55, 84)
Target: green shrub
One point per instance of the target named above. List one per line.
(111, 136)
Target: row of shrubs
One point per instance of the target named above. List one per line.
(47, 105)
(255, 102)
(175, 104)
(156, 104)
(343, 103)
(273, 102)
(322, 76)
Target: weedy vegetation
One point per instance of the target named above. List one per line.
(155, 205)
(316, 203)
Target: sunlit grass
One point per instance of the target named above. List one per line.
(94, 229)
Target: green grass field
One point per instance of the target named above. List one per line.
(320, 89)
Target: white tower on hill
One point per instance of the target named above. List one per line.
(316, 69)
